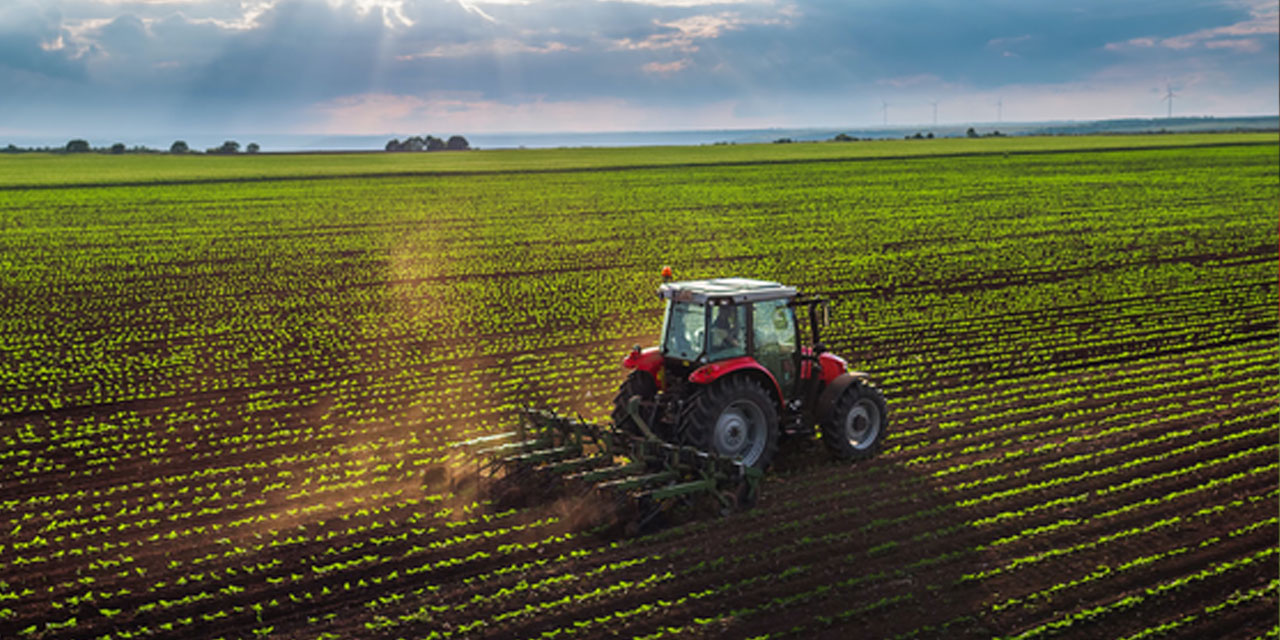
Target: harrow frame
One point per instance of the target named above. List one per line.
(642, 471)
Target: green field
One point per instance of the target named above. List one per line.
(95, 169)
(228, 386)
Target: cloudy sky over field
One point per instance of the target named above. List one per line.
(384, 66)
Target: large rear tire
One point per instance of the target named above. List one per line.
(638, 383)
(733, 417)
(856, 428)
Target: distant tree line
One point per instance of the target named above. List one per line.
(79, 145)
(973, 133)
(844, 137)
(428, 143)
(229, 147)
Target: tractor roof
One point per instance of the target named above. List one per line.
(725, 290)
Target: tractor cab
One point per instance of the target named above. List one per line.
(710, 321)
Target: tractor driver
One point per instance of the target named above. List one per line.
(726, 332)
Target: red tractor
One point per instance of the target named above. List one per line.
(732, 375)
(700, 415)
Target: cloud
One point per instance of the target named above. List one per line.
(903, 82)
(1241, 36)
(370, 113)
(124, 35)
(218, 64)
(499, 47)
(33, 39)
(1242, 46)
(473, 7)
(688, 3)
(666, 68)
(1004, 43)
(1006, 46)
(681, 34)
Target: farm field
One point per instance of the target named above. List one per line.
(51, 170)
(227, 402)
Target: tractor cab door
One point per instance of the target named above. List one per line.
(775, 338)
(727, 336)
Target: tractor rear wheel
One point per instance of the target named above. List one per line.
(856, 428)
(733, 417)
(639, 383)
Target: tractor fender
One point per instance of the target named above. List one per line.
(708, 373)
(832, 366)
(832, 392)
(647, 360)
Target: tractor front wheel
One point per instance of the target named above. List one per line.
(856, 427)
(639, 383)
(734, 417)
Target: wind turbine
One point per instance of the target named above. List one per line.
(884, 106)
(999, 109)
(935, 111)
(1168, 97)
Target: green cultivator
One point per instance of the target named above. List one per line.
(641, 476)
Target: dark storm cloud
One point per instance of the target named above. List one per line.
(32, 39)
(125, 35)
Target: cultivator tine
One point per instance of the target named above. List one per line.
(574, 465)
(609, 473)
(640, 482)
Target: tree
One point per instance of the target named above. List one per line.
(972, 133)
(252, 148)
(416, 143)
(393, 145)
(117, 147)
(457, 143)
(179, 146)
(78, 146)
(230, 146)
(435, 144)
(844, 137)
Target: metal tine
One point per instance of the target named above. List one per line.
(479, 440)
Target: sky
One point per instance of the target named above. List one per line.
(124, 67)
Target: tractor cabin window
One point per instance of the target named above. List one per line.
(775, 339)
(728, 332)
(685, 330)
